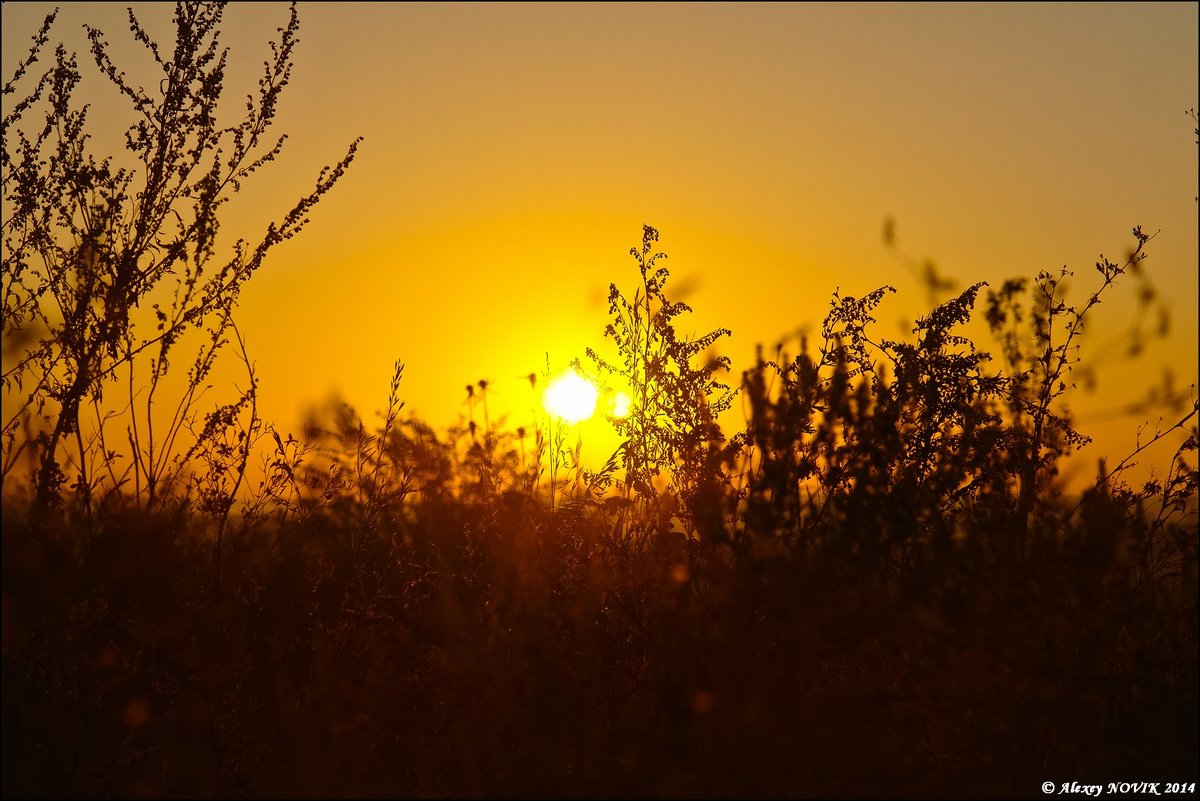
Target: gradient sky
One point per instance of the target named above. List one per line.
(513, 153)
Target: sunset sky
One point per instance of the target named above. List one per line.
(513, 152)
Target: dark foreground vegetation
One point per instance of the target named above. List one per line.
(852, 597)
(878, 587)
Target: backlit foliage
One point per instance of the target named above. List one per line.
(671, 427)
(878, 586)
(112, 260)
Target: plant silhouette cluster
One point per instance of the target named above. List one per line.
(90, 242)
(878, 586)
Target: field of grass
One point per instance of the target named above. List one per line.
(877, 585)
(851, 597)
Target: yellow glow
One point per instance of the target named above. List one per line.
(570, 398)
(620, 405)
(500, 176)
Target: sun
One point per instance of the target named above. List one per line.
(570, 397)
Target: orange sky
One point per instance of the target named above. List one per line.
(513, 152)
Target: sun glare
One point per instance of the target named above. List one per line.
(620, 405)
(570, 397)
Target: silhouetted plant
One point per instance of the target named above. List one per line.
(1191, 112)
(674, 402)
(223, 450)
(857, 581)
(838, 438)
(490, 457)
(1042, 368)
(91, 240)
